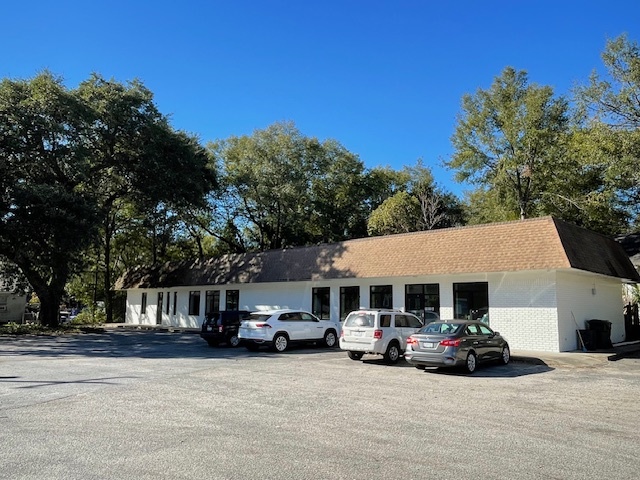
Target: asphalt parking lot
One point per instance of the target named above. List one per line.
(155, 405)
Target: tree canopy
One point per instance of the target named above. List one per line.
(283, 189)
(70, 159)
(509, 136)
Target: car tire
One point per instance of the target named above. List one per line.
(392, 355)
(505, 357)
(330, 339)
(355, 355)
(252, 347)
(471, 363)
(280, 342)
(233, 341)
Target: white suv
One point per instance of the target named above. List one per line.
(279, 328)
(383, 332)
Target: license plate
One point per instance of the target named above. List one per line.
(209, 328)
(428, 345)
(357, 334)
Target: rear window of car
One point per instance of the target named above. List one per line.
(441, 328)
(259, 317)
(359, 320)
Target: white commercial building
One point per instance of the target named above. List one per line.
(536, 281)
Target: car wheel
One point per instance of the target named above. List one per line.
(506, 355)
(355, 355)
(252, 347)
(471, 363)
(233, 341)
(280, 342)
(393, 353)
(330, 339)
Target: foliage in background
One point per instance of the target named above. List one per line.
(509, 138)
(78, 166)
(610, 103)
(282, 189)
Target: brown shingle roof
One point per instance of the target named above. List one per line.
(536, 244)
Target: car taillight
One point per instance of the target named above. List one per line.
(450, 343)
(377, 334)
(412, 341)
(341, 333)
(263, 325)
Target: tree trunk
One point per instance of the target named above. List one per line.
(109, 229)
(49, 308)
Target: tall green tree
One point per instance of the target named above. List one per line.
(47, 216)
(139, 164)
(509, 136)
(81, 165)
(285, 189)
(611, 104)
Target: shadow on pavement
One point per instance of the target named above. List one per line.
(134, 343)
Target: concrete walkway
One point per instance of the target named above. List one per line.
(578, 358)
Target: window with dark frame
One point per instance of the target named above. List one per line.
(211, 301)
(143, 307)
(471, 300)
(232, 300)
(349, 300)
(194, 302)
(175, 302)
(159, 308)
(321, 302)
(422, 297)
(381, 296)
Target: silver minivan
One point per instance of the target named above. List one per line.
(377, 331)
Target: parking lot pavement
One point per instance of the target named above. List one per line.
(158, 405)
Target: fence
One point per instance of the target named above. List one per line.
(631, 322)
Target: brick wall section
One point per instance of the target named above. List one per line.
(522, 307)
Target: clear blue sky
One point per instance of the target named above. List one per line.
(384, 78)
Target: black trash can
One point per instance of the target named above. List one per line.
(601, 333)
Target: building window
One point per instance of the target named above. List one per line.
(421, 298)
(175, 302)
(471, 300)
(211, 302)
(159, 308)
(168, 302)
(232, 299)
(321, 303)
(349, 300)
(381, 296)
(143, 307)
(194, 303)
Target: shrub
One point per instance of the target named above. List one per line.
(90, 316)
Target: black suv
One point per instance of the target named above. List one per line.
(222, 327)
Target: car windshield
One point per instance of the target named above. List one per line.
(441, 328)
(359, 319)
